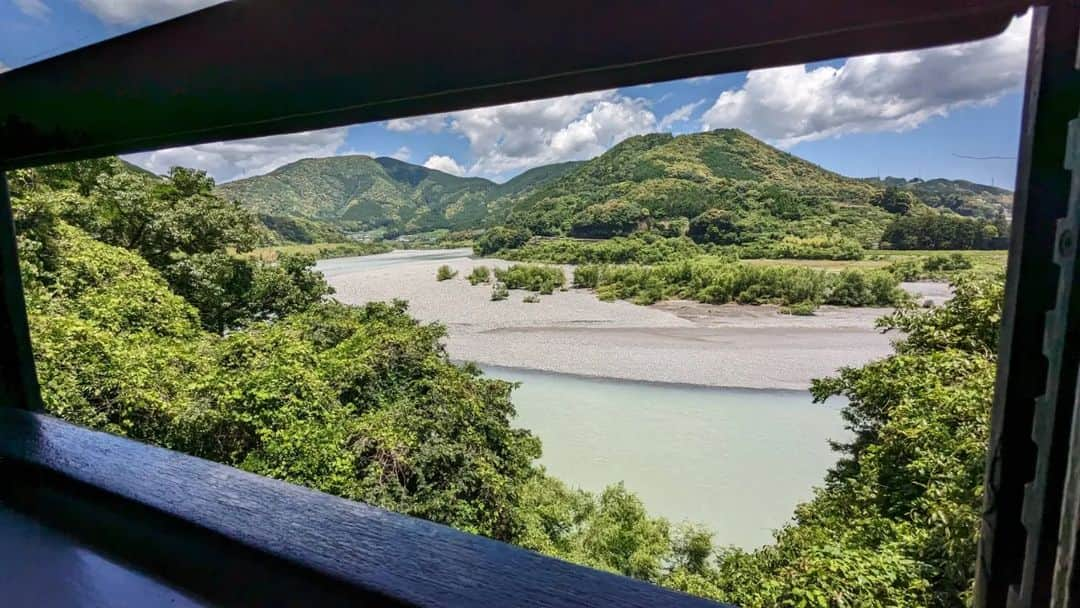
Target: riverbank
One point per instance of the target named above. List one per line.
(573, 332)
(321, 251)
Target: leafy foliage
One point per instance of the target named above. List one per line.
(178, 226)
(638, 249)
(445, 273)
(479, 274)
(500, 238)
(896, 200)
(944, 263)
(809, 248)
(896, 521)
(499, 292)
(944, 231)
(714, 226)
(717, 281)
(143, 329)
(360, 402)
(960, 196)
(603, 220)
(533, 277)
(291, 229)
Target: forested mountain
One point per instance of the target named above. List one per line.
(728, 188)
(380, 192)
(662, 178)
(372, 192)
(959, 195)
(721, 186)
(533, 178)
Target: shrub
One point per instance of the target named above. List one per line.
(935, 266)
(644, 248)
(905, 270)
(445, 273)
(717, 281)
(800, 309)
(940, 262)
(533, 277)
(531, 299)
(810, 248)
(587, 276)
(851, 289)
(479, 274)
(499, 292)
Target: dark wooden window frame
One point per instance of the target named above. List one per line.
(245, 69)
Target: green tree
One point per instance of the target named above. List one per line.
(605, 220)
(229, 291)
(622, 537)
(500, 238)
(938, 230)
(714, 226)
(896, 521)
(896, 200)
(177, 216)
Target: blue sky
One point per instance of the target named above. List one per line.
(912, 114)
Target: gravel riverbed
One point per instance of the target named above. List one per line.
(574, 332)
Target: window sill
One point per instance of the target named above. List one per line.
(233, 537)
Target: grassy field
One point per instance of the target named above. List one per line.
(982, 261)
(321, 251)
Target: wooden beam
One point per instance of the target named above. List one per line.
(223, 533)
(1032, 409)
(248, 68)
(18, 379)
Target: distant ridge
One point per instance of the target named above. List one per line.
(380, 192)
(959, 195)
(667, 176)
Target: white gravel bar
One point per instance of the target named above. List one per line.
(574, 332)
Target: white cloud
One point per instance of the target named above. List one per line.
(133, 12)
(446, 164)
(680, 114)
(518, 136)
(33, 8)
(887, 92)
(237, 159)
(403, 153)
(432, 123)
(3, 67)
(700, 79)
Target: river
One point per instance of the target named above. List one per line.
(736, 460)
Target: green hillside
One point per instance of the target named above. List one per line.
(379, 192)
(534, 178)
(722, 186)
(371, 192)
(728, 188)
(660, 178)
(959, 195)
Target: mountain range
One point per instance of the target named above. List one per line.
(659, 177)
(382, 192)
